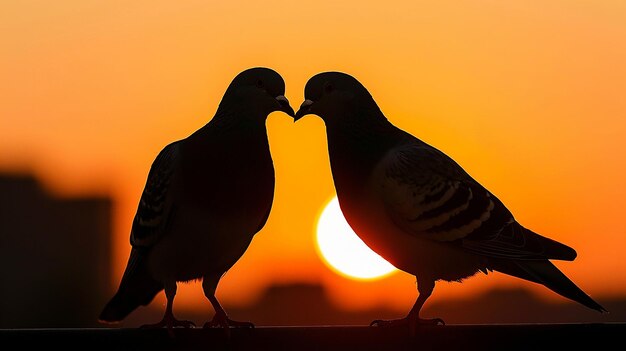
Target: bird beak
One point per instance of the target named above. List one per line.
(305, 109)
(284, 105)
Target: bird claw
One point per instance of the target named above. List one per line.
(172, 323)
(434, 321)
(376, 323)
(185, 324)
(412, 323)
(225, 322)
(220, 320)
(405, 321)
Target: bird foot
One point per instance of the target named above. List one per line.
(406, 321)
(170, 323)
(220, 320)
(412, 323)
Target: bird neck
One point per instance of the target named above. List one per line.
(357, 144)
(230, 128)
(238, 117)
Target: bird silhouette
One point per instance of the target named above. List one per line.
(205, 198)
(417, 207)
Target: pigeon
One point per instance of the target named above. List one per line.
(205, 198)
(418, 208)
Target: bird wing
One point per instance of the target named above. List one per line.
(155, 211)
(429, 195)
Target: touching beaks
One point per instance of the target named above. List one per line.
(284, 105)
(303, 110)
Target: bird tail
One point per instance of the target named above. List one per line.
(552, 249)
(136, 288)
(546, 273)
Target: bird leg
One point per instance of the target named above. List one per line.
(169, 320)
(220, 319)
(413, 319)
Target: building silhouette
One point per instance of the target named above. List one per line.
(54, 256)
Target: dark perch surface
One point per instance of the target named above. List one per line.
(450, 337)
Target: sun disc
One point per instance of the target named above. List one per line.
(343, 251)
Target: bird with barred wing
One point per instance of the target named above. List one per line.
(418, 208)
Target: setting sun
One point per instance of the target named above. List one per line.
(343, 251)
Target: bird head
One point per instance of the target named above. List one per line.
(257, 89)
(334, 95)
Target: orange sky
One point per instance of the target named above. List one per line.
(529, 97)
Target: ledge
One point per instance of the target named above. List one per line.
(327, 338)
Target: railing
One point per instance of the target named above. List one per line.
(327, 338)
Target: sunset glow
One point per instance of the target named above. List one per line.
(527, 96)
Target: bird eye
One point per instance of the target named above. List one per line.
(259, 83)
(328, 87)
